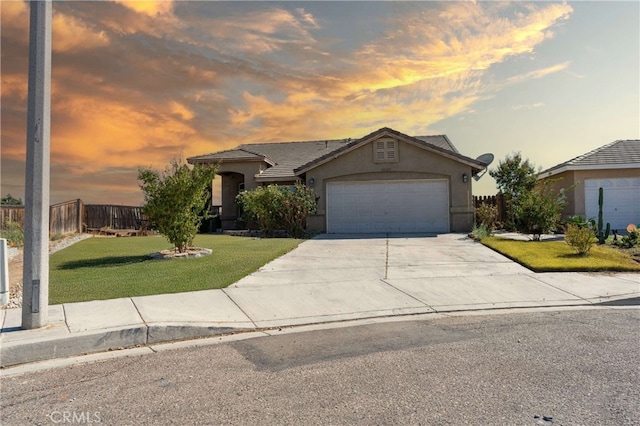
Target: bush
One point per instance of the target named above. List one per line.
(487, 216)
(539, 211)
(580, 238)
(480, 232)
(276, 207)
(630, 240)
(13, 233)
(175, 201)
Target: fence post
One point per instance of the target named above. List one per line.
(79, 215)
(4, 272)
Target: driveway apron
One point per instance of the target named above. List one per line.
(341, 277)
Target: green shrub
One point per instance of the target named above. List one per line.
(13, 233)
(539, 211)
(488, 217)
(576, 220)
(480, 232)
(276, 207)
(628, 241)
(580, 238)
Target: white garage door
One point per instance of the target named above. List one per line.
(388, 206)
(621, 204)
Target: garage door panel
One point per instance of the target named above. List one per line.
(390, 206)
(621, 205)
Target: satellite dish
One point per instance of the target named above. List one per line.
(485, 159)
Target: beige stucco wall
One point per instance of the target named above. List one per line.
(575, 198)
(233, 174)
(414, 163)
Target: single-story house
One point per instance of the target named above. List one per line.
(385, 181)
(615, 167)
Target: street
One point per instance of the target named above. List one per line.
(542, 368)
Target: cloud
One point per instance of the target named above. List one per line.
(539, 73)
(428, 66)
(73, 34)
(145, 82)
(530, 106)
(149, 8)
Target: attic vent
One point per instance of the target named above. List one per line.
(385, 150)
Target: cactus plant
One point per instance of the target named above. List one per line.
(601, 234)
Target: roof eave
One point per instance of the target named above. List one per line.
(571, 167)
(475, 165)
(262, 179)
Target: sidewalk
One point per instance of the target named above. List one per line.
(315, 283)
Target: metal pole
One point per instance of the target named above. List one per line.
(35, 293)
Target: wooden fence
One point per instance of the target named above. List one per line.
(492, 200)
(75, 216)
(114, 217)
(11, 213)
(66, 218)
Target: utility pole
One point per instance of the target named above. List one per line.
(35, 289)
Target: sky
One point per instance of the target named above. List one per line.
(139, 84)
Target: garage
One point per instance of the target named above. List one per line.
(388, 206)
(621, 204)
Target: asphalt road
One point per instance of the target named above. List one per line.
(553, 368)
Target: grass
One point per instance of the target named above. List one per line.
(109, 268)
(558, 256)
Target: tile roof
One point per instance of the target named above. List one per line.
(613, 155)
(441, 141)
(236, 154)
(288, 158)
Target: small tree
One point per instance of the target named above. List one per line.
(175, 200)
(515, 178)
(539, 210)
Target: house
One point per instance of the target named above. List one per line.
(385, 181)
(615, 167)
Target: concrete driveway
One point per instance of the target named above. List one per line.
(341, 277)
(327, 279)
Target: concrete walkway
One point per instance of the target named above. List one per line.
(326, 279)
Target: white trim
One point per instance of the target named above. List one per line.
(589, 167)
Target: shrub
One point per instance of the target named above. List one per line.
(630, 240)
(480, 232)
(488, 217)
(539, 211)
(576, 220)
(276, 207)
(175, 200)
(580, 238)
(13, 233)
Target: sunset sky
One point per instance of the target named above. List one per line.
(141, 83)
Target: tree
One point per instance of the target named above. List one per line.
(539, 210)
(276, 207)
(10, 201)
(514, 177)
(175, 200)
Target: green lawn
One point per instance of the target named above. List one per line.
(558, 256)
(109, 268)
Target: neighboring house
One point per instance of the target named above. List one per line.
(616, 168)
(383, 182)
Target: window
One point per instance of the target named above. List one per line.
(385, 150)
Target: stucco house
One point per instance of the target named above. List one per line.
(385, 181)
(616, 168)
